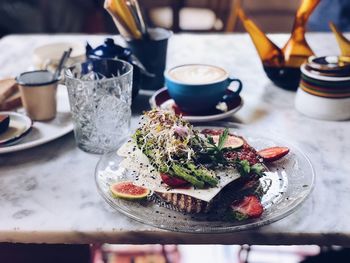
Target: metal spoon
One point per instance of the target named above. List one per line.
(62, 62)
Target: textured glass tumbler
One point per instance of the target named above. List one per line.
(100, 99)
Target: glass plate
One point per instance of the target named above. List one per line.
(289, 182)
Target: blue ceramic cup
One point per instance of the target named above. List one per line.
(198, 88)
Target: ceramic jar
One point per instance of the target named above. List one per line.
(324, 89)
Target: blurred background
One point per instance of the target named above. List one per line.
(88, 16)
(107, 253)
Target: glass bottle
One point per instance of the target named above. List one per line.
(343, 43)
(282, 66)
(296, 51)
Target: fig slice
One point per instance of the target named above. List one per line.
(127, 190)
(231, 141)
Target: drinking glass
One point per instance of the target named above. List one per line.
(100, 99)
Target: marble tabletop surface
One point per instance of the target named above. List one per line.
(48, 193)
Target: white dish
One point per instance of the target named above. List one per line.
(43, 132)
(49, 55)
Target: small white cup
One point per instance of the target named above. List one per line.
(38, 94)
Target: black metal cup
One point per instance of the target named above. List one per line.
(151, 51)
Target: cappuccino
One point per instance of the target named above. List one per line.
(197, 74)
(198, 88)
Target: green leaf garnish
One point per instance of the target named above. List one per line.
(235, 215)
(222, 139)
(243, 167)
(211, 141)
(257, 169)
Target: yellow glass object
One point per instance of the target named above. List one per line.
(269, 53)
(123, 18)
(296, 51)
(282, 66)
(344, 44)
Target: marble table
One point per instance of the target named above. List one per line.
(48, 193)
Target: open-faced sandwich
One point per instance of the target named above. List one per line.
(193, 170)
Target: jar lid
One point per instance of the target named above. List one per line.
(317, 76)
(331, 66)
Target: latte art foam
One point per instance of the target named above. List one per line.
(197, 74)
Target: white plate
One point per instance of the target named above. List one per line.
(287, 184)
(43, 132)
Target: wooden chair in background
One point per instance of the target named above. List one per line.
(219, 15)
(167, 13)
(187, 15)
(273, 16)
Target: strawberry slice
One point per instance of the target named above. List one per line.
(173, 181)
(273, 153)
(248, 207)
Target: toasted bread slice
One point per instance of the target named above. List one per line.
(186, 203)
(7, 88)
(12, 102)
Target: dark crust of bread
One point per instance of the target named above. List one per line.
(7, 88)
(186, 203)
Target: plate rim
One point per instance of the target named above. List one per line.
(31, 144)
(206, 118)
(28, 123)
(250, 225)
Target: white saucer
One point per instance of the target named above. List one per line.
(161, 99)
